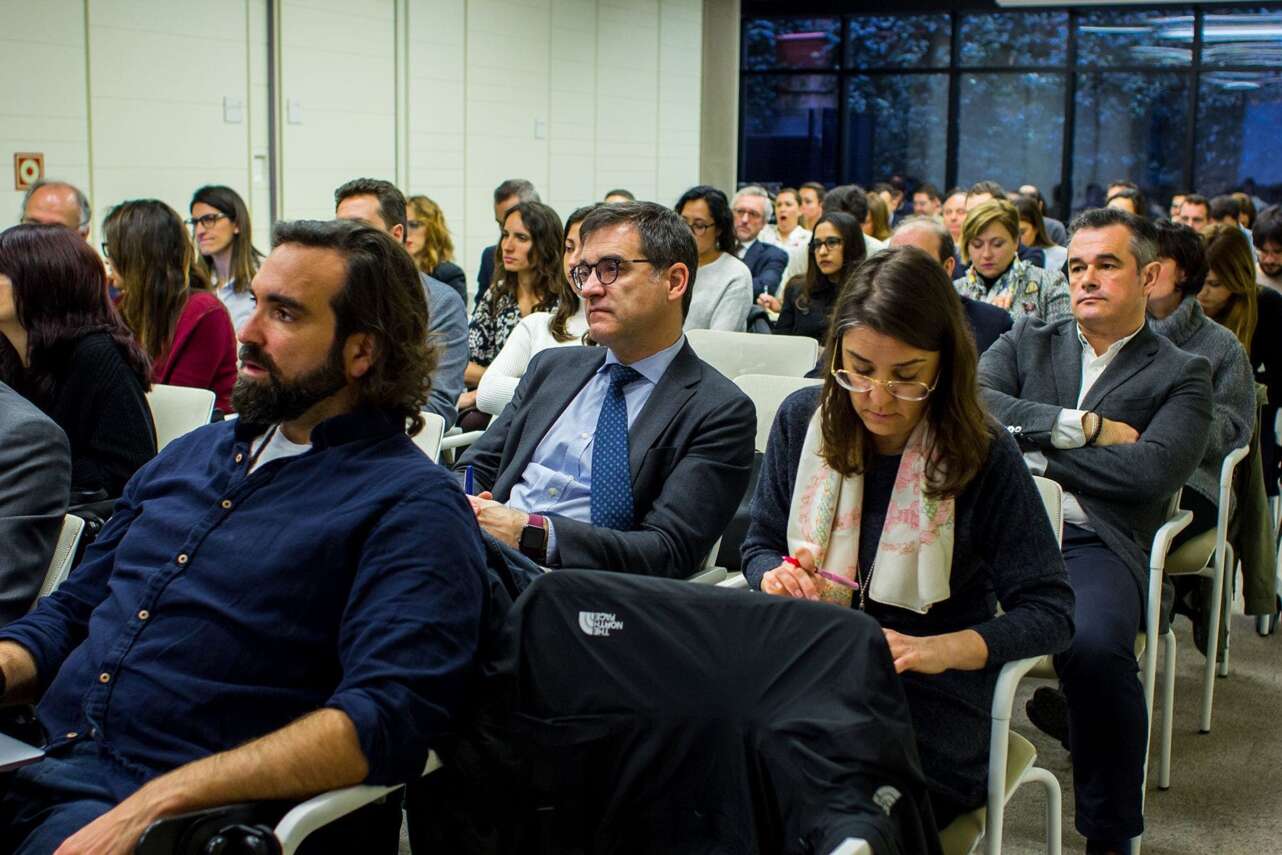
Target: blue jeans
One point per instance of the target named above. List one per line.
(43, 804)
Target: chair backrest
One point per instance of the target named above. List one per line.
(429, 438)
(735, 353)
(767, 392)
(63, 554)
(178, 410)
(1053, 500)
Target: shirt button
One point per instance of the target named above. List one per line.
(72, 735)
(182, 558)
(225, 504)
(583, 436)
(552, 491)
(144, 614)
(239, 457)
(104, 677)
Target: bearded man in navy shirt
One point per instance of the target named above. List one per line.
(280, 605)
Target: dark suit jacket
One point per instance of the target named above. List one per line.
(986, 322)
(767, 264)
(485, 272)
(690, 453)
(1163, 392)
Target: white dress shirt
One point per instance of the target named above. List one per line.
(1068, 431)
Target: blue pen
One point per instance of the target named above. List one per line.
(467, 480)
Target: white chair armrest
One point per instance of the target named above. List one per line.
(710, 576)
(853, 846)
(738, 580)
(319, 811)
(460, 440)
(1007, 682)
(1162, 540)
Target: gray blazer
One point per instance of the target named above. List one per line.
(447, 329)
(35, 485)
(690, 453)
(1035, 370)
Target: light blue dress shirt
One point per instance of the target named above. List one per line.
(239, 306)
(558, 479)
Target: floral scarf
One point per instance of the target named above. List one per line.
(1015, 287)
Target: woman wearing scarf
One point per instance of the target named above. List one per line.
(888, 490)
(996, 275)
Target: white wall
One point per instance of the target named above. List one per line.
(126, 98)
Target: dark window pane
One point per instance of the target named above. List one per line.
(790, 128)
(898, 41)
(1242, 38)
(1129, 37)
(1237, 134)
(1012, 130)
(1014, 38)
(1129, 126)
(791, 43)
(895, 127)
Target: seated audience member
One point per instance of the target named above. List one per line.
(1054, 228)
(220, 224)
(427, 239)
(1177, 201)
(537, 331)
(530, 279)
(1225, 210)
(926, 201)
(898, 424)
(786, 232)
(808, 300)
(752, 211)
(724, 294)
(506, 197)
(954, 212)
(1131, 201)
(995, 275)
(1195, 212)
(1032, 233)
(619, 194)
(1266, 236)
(57, 203)
(1246, 210)
(988, 191)
(630, 457)
(65, 349)
(1119, 416)
(853, 199)
(986, 322)
(878, 224)
(187, 662)
(381, 205)
(35, 483)
(811, 197)
(184, 329)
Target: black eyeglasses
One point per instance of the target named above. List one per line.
(415, 224)
(105, 253)
(607, 271)
(207, 221)
(832, 243)
(698, 226)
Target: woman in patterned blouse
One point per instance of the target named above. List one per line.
(528, 278)
(990, 243)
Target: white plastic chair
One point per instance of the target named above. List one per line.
(177, 410)
(736, 353)
(767, 392)
(63, 554)
(428, 439)
(853, 846)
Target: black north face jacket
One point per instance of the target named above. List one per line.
(627, 715)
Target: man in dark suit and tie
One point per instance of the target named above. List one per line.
(633, 456)
(507, 196)
(752, 211)
(1118, 416)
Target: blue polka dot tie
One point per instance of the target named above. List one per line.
(611, 478)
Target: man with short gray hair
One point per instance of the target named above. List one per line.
(57, 203)
(752, 211)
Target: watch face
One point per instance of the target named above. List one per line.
(533, 537)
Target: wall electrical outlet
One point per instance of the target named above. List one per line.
(233, 110)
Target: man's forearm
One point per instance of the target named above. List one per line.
(316, 753)
(20, 678)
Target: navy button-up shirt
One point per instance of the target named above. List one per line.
(218, 606)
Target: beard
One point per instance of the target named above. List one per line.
(275, 399)
(1270, 269)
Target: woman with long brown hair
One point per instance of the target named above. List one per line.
(889, 490)
(427, 238)
(64, 348)
(221, 228)
(836, 249)
(183, 328)
(1229, 294)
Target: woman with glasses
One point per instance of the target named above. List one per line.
(888, 490)
(185, 330)
(722, 284)
(537, 331)
(64, 348)
(836, 250)
(429, 244)
(996, 275)
(529, 278)
(220, 225)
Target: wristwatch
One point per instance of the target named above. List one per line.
(534, 539)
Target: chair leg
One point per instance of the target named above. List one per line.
(1213, 640)
(1229, 600)
(1168, 709)
(1054, 808)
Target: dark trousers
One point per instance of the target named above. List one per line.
(1107, 720)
